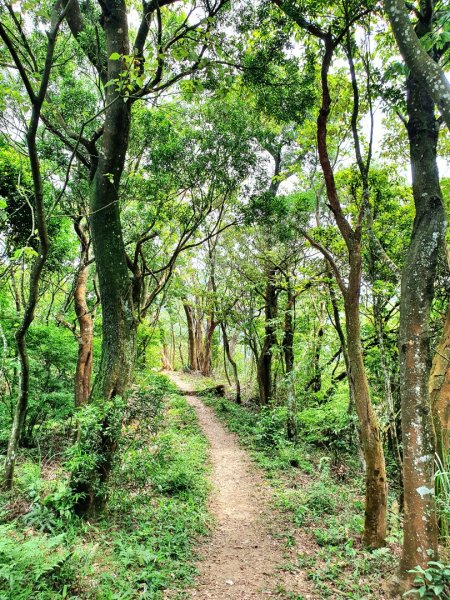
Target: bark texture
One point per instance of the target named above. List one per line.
(425, 70)
(115, 286)
(440, 392)
(83, 373)
(417, 290)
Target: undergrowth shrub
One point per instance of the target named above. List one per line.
(328, 425)
(85, 458)
(432, 582)
(270, 429)
(142, 543)
(29, 564)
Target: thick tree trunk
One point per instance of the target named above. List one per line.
(118, 323)
(264, 363)
(440, 392)
(417, 291)
(116, 293)
(226, 344)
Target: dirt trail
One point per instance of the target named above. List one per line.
(240, 559)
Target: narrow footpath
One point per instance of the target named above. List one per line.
(241, 559)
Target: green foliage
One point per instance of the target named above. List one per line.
(17, 198)
(97, 424)
(270, 429)
(29, 565)
(329, 424)
(432, 582)
(442, 483)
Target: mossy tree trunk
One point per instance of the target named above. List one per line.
(417, 291)
(115, 285)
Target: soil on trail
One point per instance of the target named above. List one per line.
(241, 559)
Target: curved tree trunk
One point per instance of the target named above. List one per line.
(376, 482)
(37, 100)
(115, 286)
(426, 72)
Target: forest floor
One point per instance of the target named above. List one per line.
(242, 558)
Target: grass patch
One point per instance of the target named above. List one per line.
(142, 543)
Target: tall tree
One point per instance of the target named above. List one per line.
(417, 291)
(122, 71)
(36, 99)
(376, 480)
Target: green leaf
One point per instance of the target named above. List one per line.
(114, 56)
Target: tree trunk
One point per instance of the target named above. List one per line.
(317, 377)
(192, 338)
(37, 101)
(199, 343)
(426, 71)
(288, 335)
(264, 364)
(165, 358)
(116, 290)
(83, 371)
(226, 344)
(376, 481)
(376, 484)
(440, 392)
(207, 348)
(288, 352)
(118, 323)
(417, 291)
